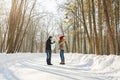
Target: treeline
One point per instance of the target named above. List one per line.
(24, 27)
(93, 26)
(90, 27)
(17, 24)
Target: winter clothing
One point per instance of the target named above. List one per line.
(61, 37)
(50, 36)
(48, 50)
(61, 44)
(48, 43)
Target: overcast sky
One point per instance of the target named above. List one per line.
(50, 6)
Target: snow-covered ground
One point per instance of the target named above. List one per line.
(28, 66)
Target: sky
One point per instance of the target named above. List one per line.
(50, 6)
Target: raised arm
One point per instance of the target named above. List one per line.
(62, 42)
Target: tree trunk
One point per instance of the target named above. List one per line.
(84, 24)
(109, 31)
(100, 27)
(95, 29)
(90, 25)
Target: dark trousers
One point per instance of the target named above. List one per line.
(48, 52)
(62, 56)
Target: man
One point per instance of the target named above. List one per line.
(61, 44)
(48, 50)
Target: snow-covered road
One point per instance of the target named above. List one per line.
(78, 67)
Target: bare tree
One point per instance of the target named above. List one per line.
(17, 28)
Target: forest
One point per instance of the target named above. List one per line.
(89, 26)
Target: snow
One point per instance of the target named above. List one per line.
(29, 66)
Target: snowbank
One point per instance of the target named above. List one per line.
(98, 63)
(29, 66)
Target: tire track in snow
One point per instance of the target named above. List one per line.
(71, 74)
(6, 63)
(8, 74)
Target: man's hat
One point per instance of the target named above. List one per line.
(50, 36)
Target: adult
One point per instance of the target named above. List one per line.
(61, 45)
(49, 50)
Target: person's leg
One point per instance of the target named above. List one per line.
(63, 59)
(49, 57)
(50, 53)
(47, 53)
(62, 56)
